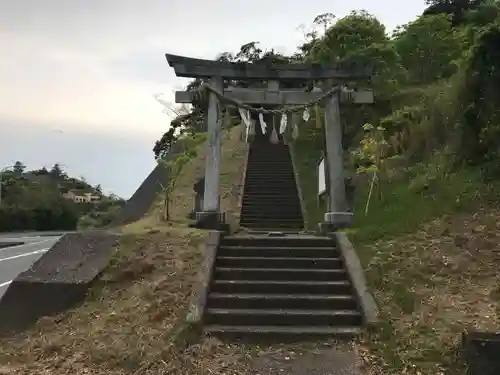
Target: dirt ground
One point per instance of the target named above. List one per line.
(431, 286)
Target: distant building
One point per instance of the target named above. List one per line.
(81, 196)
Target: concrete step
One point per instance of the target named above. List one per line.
(262, 170)
(265, 210)
(278, 262)
(282, 301)
(283, 317)
(283, 330)
(278, 220)
(282, 274)
(276, 224)
(289, 183)
(274, 196)
(268, 175)
(301, 242)
(282, 287)
(270, 159)
(292, 205)
(284, 206)
(264, 215)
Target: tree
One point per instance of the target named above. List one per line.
(325, 20)
(456, 9)
(174, 168)
(56, 172)
(249, 52)
(349, 35)
(428, 48)
(18, 167)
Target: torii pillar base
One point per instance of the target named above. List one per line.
(211, 220)
(334, 221)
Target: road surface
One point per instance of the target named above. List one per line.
(16, 259)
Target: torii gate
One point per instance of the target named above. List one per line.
(329, 76)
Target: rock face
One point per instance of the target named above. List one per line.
(58, 280)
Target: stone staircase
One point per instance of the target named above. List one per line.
(270, 200)
(292, 284)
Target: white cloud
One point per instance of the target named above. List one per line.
(73, 87)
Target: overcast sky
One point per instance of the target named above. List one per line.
(77, 76)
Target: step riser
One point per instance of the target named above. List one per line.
(279, 275)
(257, 224)
(265, 195)
(270, 160)
(255, 213)
(269, 164)
(292, 303)
(263, 215)
(263, 168)
(262, 207)
(263, 188)
(272, 177)
(272, 202)
(268, 205)
(284, 172)
(288, 187)
(292, 204)
(276, 222)
(270, 242)
(303, 263)
(235, 288)
(270, 173)
(285, 193)
(288, 334)
(283, 320)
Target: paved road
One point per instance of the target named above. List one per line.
(16, 259)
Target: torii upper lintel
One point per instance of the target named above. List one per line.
(200, 68)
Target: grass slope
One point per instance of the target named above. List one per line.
(233, 165)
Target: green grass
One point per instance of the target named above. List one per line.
(420, 194)
(417, 198)
(307, 155)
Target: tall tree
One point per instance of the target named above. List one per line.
(457, 9)
(428, 48)
(56, 172)
(18, 167)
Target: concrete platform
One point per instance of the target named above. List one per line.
(56, 281)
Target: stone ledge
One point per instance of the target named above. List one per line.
(357, 275)
(57, 281)
(199, 297)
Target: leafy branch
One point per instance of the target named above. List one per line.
(174, 168)
(370, 156)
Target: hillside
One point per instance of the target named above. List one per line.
(51, 200)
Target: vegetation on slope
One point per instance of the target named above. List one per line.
(233, 158)
(34, 200)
